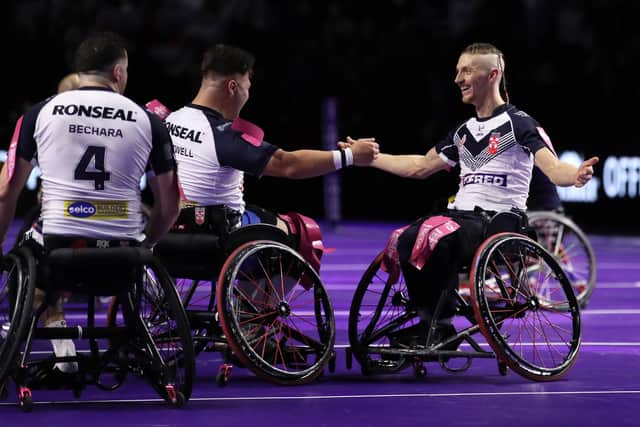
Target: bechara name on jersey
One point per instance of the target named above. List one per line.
(94, 111)
(92, 130)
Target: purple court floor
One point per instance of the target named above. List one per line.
(603, 388)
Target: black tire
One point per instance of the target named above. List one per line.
(521, 326)
(378, 308)
(17, 288)
(164, 346)
(570, 246)
(275, 313)
(26, 403)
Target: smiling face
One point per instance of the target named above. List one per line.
(477, 76)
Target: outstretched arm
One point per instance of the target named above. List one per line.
(411, 165)
(563, 173)
(310, 163)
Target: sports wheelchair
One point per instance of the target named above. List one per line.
(562, 237)
(250, 296)
(519, 301)
(154, 340)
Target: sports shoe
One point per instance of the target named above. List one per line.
(443, 332)
(411, 336)
(416, 335)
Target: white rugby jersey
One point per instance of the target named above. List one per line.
(212, 156)
(93, 145)
(496, 158)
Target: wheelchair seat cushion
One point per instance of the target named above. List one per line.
(191, 255)
(91, 266)
(514, 221)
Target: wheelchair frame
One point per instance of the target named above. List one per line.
(160, 348)
(566, 241)
(263, 307)
(504, 304)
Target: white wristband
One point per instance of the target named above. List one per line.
(337, 159)
(349, 154)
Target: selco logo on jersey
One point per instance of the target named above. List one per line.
(81, 209)
(97, 209)
(184, 133)
(499, 180)
(94, 111)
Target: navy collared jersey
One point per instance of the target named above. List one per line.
(213, 156)
(495, 155)
(93, 146)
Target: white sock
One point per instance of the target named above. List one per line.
(63, 348)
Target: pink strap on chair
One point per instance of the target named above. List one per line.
(391, 260)
(429, 234)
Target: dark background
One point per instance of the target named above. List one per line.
(389, 64)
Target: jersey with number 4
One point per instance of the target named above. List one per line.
(93, 145)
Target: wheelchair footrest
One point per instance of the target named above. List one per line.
(45, 377)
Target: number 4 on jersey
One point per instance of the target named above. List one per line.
(97, 174)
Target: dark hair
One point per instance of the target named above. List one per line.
(99, 52)
(486, 49)
(227, 60)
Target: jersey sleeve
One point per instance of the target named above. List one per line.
(25, 143)
(530, 134)
(161, 158)
(235, 151)
(447, 149)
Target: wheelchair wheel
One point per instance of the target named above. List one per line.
(378, 308)
(275, 313)
(525, 306)
(571, 247)
(17, 288)
(164, 350)
(198, 299)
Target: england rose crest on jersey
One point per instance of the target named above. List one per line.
(494, 141)
(199, 215)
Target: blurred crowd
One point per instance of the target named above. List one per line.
(389, 63)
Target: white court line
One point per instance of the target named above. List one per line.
(617, 285)
(344, 346)
(582, 344)
(599, 285)
(345, 313)
(363, 267)
(352, 396)
(604, 311)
